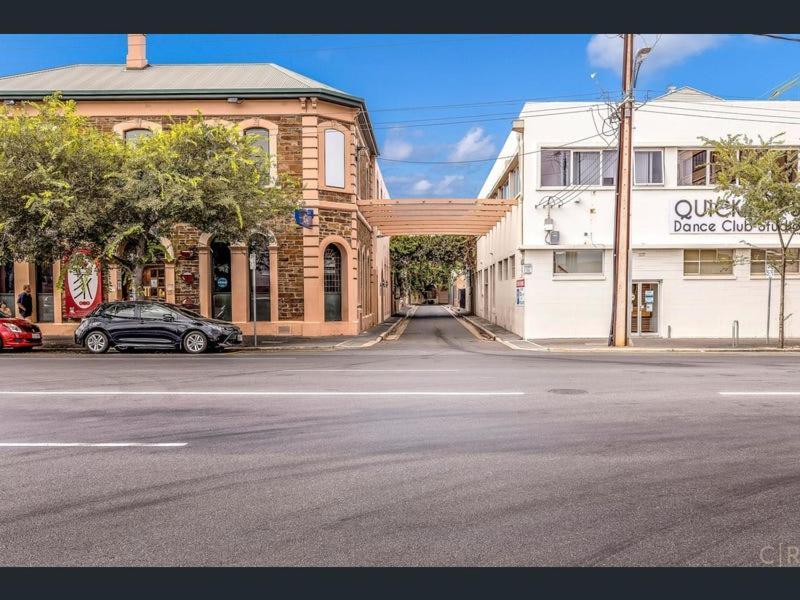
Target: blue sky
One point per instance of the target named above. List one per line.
(416, 72)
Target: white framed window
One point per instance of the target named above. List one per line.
(586, 167)
(759, 259)
(555, 167)
(648, 167)
(578, 262)
(579, 167)
(334, 158)
(712, 261)
(511, 262)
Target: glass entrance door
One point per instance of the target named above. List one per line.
(644, 309)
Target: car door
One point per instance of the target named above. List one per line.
(158, 324)
(121, 322)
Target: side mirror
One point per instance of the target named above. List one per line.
(168, 318)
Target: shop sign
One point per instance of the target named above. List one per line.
(520, 296)
(304, 217)
(520, 283)
(711, 216)
(527, 269)
(82, 292)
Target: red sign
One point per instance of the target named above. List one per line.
(83, 290)
(520, 283)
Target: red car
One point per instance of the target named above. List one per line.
(18, 334)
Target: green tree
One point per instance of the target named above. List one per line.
(58, 185)
(759, 181)
(66, 185)
(207, 176)
(422, 261)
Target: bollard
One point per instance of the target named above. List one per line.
(735, 333)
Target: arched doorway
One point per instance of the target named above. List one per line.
(221, 281)
(332, 260)
(260, 294)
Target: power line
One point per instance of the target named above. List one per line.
(590, 96)
(481, 160)
(778, 37)
(581, 106)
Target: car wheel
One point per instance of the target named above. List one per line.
(96, 342)
(195, 342)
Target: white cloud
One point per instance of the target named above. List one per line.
(605, 50)
(422, 186)
(475, 145)
(397, 149)
(446, 185)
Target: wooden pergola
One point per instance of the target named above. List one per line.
(435, 216)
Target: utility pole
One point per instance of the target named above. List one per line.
(622, 212)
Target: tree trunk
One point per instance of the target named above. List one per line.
(138, 273)
(782, 305)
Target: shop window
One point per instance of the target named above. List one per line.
(154, 283)
(7, 288)
(334, 158)
(221, 281)
(648, 167)
(131, 136)
(578, 262)
(260, 294)
(760, 258)
(44, 294)
(708, 262)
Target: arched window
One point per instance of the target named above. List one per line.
(132, 136)
(7, 287)
(261, 136)
(260, 294)
(333, 283)
(44, 293)
(221, 281)
(334, 158)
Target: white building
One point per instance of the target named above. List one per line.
(545, 270)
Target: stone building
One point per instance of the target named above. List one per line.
(330, 278)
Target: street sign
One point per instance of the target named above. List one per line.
(520, 283)
(304, 217)
(770, 272)
(527, 269)
(520, 296)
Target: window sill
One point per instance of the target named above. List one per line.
(709, 277)
(579, 277)
(776, 278)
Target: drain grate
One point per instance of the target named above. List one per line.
(567, 391)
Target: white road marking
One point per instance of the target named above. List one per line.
(759, 393)
(370, 370)
(92, 445)
(246, 393)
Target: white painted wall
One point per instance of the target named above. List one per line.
(580, 307)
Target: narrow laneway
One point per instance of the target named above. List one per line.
(434, 328)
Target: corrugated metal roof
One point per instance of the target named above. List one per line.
(116, 79)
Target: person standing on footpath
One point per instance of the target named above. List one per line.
(25, 302)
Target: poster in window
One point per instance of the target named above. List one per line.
(83, 290)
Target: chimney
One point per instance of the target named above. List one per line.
(137, 56)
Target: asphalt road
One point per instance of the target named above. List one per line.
(435, 449)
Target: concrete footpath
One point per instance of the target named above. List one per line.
(272, 343)
(637, 344)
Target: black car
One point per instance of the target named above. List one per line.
(155, 325)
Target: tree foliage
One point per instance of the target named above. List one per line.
(58, 181)
(65, 185)
(759, 181)
(422, 261)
